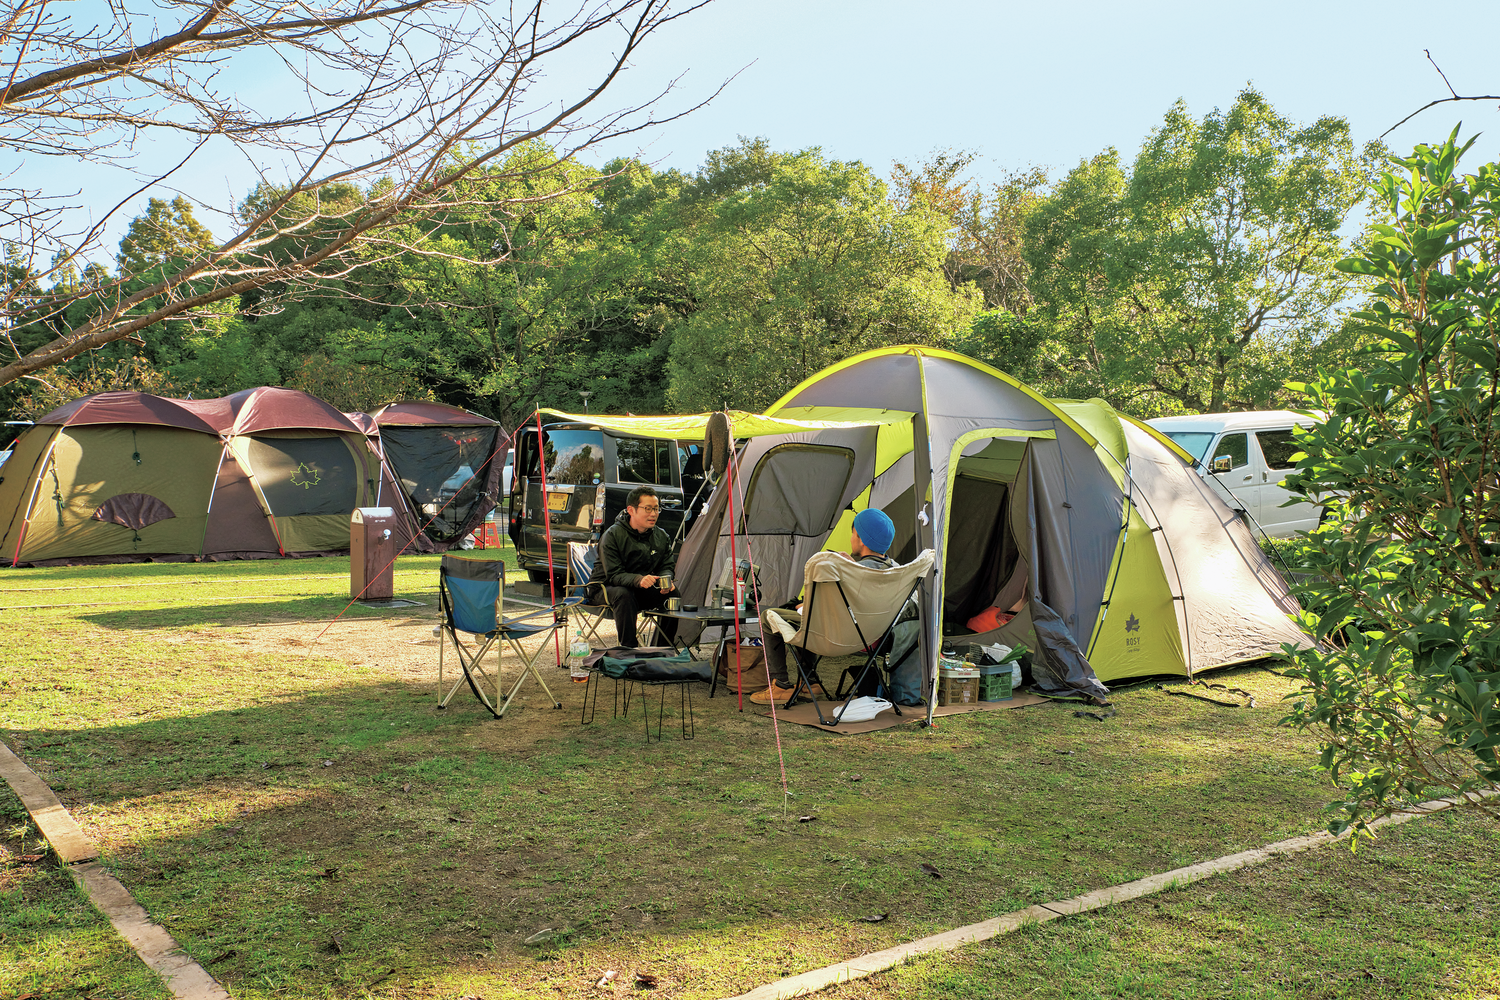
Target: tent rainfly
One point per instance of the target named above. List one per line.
(1063, 525)
(122, 476)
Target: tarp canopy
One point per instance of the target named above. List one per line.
(1032, 510)
(693, 426)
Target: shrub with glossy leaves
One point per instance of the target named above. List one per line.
(1403, 694)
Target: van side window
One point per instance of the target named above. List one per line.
(1236, 446)
(1278, 447)
(664, 461)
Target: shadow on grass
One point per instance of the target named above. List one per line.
(253, 611)
(313, 840)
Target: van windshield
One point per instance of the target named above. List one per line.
(1195, 443)
(574, 456)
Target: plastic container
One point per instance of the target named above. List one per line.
(958, 685)
(578, 651)
(996, 683)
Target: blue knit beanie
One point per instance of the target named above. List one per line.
(875, 530)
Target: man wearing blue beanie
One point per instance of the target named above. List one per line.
(869, 541)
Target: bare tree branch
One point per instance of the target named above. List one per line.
(1441, 100)
(428, 96)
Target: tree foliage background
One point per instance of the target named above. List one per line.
(1405, 695)
(1200, 278)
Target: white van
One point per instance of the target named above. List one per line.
(1246, 456)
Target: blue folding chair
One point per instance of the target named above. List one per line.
(470, 592)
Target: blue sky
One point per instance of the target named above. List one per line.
(1020, 85)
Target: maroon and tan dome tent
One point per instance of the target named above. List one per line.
(126, 475)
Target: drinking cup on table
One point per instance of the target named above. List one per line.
(674, 604)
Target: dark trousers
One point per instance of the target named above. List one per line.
(627, 603)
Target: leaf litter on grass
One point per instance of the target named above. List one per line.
(678, 852)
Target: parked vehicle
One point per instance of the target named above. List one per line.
(1246, 456)
(590, 469)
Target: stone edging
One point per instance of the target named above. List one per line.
(184, 977)
(880, 961)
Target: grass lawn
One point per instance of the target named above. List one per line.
(306, 824)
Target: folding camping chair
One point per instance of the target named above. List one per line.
(576, 598)
(850, 608)
(470, 593)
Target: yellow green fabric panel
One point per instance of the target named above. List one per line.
(1103, 422)
(90, 465)
(1139, 635)
(313, 532)
(17, 484)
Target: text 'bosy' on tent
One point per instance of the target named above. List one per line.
(126, 475)
(1060, 525)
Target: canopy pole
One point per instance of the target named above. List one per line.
(541, 461)
(739, 674)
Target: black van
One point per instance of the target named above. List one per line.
(590, 471)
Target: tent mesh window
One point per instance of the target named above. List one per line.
(442, 471)
(302, 476)
(790, 491)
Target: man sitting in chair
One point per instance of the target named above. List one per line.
(869, 540)
(633, 554)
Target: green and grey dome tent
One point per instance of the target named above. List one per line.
(1062, 525)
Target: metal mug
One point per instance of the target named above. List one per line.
(665, 582)
(674, 604)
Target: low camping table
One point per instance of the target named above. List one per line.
(721, 618)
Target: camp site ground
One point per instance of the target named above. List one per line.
(262, 764)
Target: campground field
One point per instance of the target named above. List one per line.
(282, 796)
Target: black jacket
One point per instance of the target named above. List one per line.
(626, 555)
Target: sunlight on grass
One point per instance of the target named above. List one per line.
(298, 813)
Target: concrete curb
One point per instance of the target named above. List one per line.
(880, 961)
(184, 977)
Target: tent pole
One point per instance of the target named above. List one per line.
(930, 611)
(739, 675)
(547, 527)
(35, 489)
(213, 490)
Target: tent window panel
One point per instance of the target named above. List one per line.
(443, 470)
(306, 475)
(796, 489)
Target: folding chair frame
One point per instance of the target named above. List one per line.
(806, 674)
(579, 603)
(471, 662)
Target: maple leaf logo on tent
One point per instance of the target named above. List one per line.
(1132, 624)
(305, 472)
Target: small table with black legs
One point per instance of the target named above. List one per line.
(722, 618)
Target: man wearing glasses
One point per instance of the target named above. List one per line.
(633, 554)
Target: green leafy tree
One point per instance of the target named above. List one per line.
(795, 262)
(1204, 278)
(1404, 695)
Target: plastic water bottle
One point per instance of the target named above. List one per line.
(578, 651)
